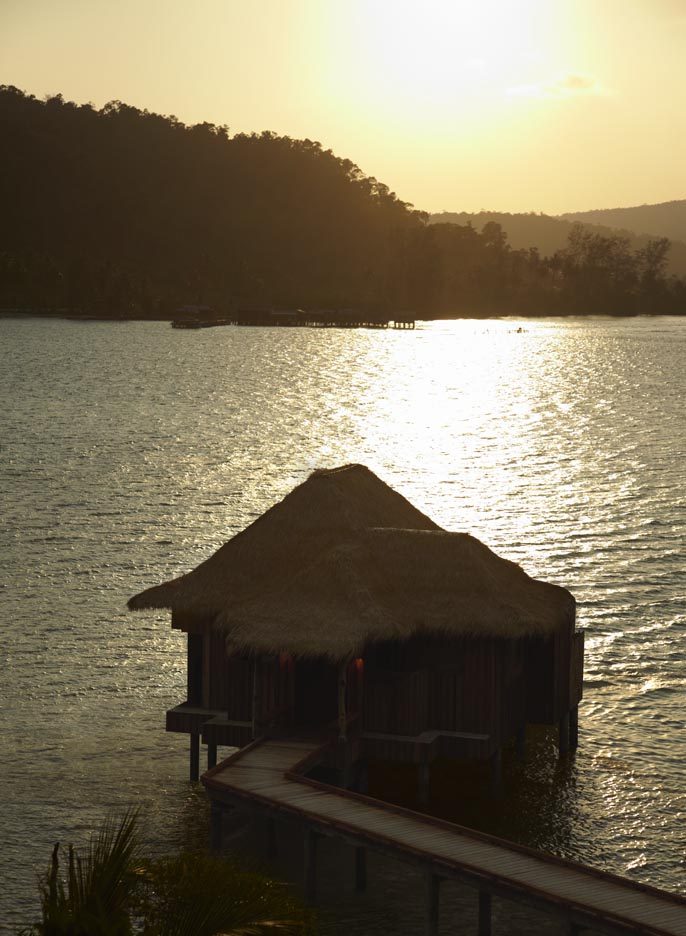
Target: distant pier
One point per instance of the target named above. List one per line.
(300, 318)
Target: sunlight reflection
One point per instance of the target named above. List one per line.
(465, 407)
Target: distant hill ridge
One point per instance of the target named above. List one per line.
(549, 233)
(667, 219)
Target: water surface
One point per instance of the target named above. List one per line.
(131, 451)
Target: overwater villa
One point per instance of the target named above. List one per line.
(345, 626)
(347, 615)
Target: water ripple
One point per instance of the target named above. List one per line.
(128, 455)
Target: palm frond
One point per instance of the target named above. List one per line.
(99, 885)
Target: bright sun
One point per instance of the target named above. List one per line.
(440, 54)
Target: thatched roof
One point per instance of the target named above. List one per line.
(344, 561)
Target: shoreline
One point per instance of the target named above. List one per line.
(69, 316)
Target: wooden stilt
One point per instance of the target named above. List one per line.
(216, 819)
(432, 894)
(520, 742)
(484, 913)
(342, 689)
(255, 698)
(347, 767)
(424, 783)
(211, 756)
(563, 736)
(310, 866)
(271, 844)
(360, 869)
(574, 728)
(496, 768)
(362, 784)
(195, 757)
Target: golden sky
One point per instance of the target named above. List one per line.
(457, 105)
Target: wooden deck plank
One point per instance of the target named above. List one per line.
(241, 769)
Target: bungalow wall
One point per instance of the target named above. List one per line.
(240, 687)
(483, 686)
(396, 702)
(467, 685)
(554, 675)
(218, 702)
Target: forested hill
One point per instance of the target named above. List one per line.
(187, 214)
(549, 234)
(667, 219)
(123, 212)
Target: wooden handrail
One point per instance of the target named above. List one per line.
(473, 833)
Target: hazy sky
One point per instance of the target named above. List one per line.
(512, 105)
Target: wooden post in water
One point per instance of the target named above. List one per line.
(255, 698)
(496, 768)
(360, 869)
(520, 741)
(342, 716)
(563, 736)
(195, 757)
(310, 865)
(271, 839)
(424, 783)
(206, 668)
(211, 756)
(433, 883)
(574, 728)
(484, 913)
(216, 817)
(343, 748)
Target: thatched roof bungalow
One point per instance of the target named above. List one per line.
(344, 600)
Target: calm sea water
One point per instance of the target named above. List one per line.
(131, 451)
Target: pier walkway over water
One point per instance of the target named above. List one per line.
(269, 774)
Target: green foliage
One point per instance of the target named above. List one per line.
(111, 891)
(200, 895)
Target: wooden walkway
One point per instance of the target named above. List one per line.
(268, 774)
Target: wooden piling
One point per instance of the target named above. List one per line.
(271, 842)
(360, 869)
(211, 756)
(520, 742)
(310, 884)
(485, 902)
(496, 772)
(216, 820)
(432, 885)
(362, 777)
(342, 689)
(574, 728)
(255, 698)
(347, 767)
(423, 783)
(563, 734)
(195, 757)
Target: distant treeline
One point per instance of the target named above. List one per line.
(550, 234)
(120, 211)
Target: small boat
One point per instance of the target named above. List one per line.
(187, 323)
